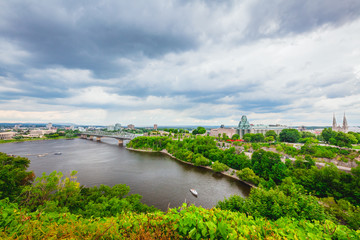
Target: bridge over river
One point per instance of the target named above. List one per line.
(120, 136)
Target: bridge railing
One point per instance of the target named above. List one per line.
(113, 134)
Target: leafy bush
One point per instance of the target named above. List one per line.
(286, 200)
(178, 223)
(53, 193)
(248, 175)
(219, 167)
(202, 161)
(344, 211)
(13, 175)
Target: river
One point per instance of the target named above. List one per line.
(161, 180)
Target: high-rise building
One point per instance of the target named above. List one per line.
(155, 126)
(49, 126)
(131, 126)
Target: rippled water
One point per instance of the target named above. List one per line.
(161, 180)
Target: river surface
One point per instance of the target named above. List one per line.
(161, 180)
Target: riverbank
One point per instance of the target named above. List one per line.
(226, 173)
(33, 139)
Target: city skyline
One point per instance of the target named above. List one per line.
(180, 62)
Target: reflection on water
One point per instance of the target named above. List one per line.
(160, 179)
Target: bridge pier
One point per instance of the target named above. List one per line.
(98, 139)
(120, 142)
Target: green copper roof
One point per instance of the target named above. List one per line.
(244, 123)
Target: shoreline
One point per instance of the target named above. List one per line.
(164, 151)
(33, 140)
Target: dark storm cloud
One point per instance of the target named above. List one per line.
(86, 37)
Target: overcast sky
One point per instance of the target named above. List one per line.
(293, 62)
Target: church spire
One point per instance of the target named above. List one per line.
(334, 125)
(345, 124)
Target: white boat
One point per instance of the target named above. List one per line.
(194, 192)
(57, 153)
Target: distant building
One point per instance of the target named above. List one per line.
(110, 128)
(338, 128)
(131, 126)
(302, 128)
(49, 126)
(40, 133)
(245, 127)
(228, 131)
(155, 126)
(117, 127)
(7, 135)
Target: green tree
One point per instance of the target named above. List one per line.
(248, 175)
(257, 137)
(202, 161)
(327, 134)
(269, 139)
(235, 137)
(13, 175)
(219, 167)
(289, 135)
(199, 130)
(225, 137)
(286, 200)
(268, 165)
(271, 133)
(345, 140)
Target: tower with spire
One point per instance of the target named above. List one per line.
(345, 125)
(337, 128)
(334, 126)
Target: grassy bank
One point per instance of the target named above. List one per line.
(32, 139)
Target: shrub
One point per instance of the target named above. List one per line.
(248, 175)
(219, 167)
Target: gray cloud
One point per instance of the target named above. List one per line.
(189, 60)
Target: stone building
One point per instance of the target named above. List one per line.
(131, 126)
(338, 128)
(7, 135)
(228, 131)
(245, 127)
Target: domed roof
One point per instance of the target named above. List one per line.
(244, 123)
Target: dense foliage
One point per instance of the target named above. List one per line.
(289, 135)
(57, 207)
(219, 167)
(340, 139)
(13, 175)
(325, 182)
(286, 200)
(266, 168)
(53, 193)
(199, 130)
(178, 223)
